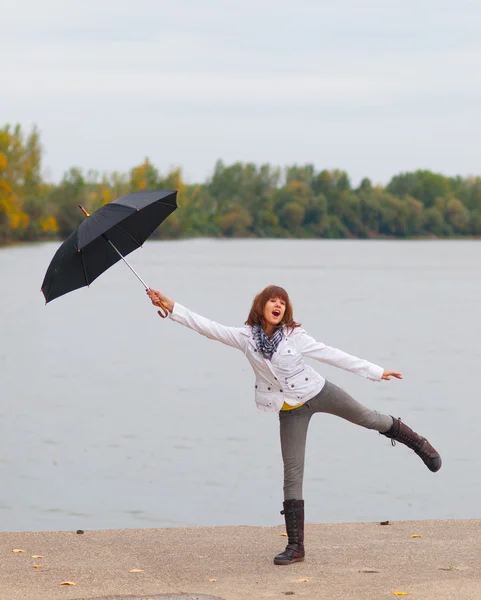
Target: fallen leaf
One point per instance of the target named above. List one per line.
(212, 580)
(68, 583)
(401, 594)
(37, 556)
(284, 534)
(136, 571)
(305, 580)
(415, 535)
(368, 571)
(17, 550)
(37, 566)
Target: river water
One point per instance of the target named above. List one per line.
(111, 417)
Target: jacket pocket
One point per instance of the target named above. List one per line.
(298, 383)
(264, 393)
(292, 377)
(289, 358)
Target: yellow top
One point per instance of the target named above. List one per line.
(289, 407)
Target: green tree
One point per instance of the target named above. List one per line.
(292, 216)
(433, 221)
(425, 186)
(456, 214)
(241, 199)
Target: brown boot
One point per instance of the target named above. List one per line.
(404, 434)
(294, 516)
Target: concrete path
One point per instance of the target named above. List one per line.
(358, 561)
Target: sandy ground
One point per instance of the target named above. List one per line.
(428, 560)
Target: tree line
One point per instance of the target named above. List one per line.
(238, 200)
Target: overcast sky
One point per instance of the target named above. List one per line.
(374, 87)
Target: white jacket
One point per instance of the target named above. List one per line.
(284, 378)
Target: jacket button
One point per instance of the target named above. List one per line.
(275, 378)
(307, 378)
(256, 387)
(292, 385)
(280, 390)
(289, 351)
(269, 389)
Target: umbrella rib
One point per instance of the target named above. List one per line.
(84, 267)
(47, 291)
(129, 234)
(156, 202)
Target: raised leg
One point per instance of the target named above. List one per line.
(335, 401)
(400, 432)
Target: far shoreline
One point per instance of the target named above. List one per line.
(426, 238)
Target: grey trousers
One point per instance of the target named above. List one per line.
(294, 423)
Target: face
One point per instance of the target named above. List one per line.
(274, 311)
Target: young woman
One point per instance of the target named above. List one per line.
(275, 346)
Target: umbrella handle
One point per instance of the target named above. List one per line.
(163, 312)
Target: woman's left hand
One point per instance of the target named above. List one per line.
(388, 374)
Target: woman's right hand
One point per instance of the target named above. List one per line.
(160, 300)
(154, 295)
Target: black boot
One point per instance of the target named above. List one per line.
(404, 434)
(294, 515)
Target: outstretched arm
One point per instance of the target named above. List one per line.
(338, 358)
(231, 336)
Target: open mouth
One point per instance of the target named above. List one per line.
(276, 313)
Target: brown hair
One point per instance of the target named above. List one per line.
(256, 314)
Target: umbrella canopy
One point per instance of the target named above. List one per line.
(116, 229)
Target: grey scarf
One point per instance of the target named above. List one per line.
(265, 345)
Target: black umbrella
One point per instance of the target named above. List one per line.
(106, 237)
